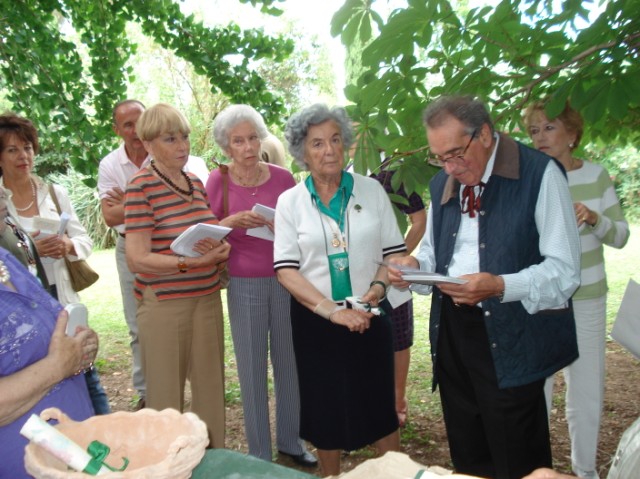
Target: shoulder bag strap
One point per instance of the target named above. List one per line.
(224, 171)
(52, 193)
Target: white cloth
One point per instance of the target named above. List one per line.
(371, 228)
(116, 169)
(56, 269)
(396, 465)
(541, 286)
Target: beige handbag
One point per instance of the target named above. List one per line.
(80, 273)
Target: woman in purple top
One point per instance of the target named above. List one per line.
(258, 305)
(39, 364)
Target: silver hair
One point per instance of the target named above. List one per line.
(232, 116)
(469, 110)
(298, 126)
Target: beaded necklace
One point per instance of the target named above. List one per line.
(33, 197)
(166, 179)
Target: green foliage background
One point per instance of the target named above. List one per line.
(508, 55)
(69, 97)
(64, 63)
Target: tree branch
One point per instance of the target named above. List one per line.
(549, 72)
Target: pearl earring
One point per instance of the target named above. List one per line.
(571, 145)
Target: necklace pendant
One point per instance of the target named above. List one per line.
(335, 242)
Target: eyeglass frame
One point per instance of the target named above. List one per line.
(459, 158)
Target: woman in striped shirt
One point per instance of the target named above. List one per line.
(179, 309)
(600, 222)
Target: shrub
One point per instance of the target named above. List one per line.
(86, 202)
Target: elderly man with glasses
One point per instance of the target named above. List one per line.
(501, 222)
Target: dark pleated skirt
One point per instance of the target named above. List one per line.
(346, 381)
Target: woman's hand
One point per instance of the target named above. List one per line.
(245, 219)
(356, 321)
(212, 251)
(72, 354)
(584, 215)
(373, 296)
(69, 247)
(67, 356)
(52, 246)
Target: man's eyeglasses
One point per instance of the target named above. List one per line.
(453, 159)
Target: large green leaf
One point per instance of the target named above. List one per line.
(509, 54)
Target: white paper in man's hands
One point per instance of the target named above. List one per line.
(183, 244)
(263, 231)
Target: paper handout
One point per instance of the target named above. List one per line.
(430, 278)
(183, 244)
(46, 226)
(263, 231)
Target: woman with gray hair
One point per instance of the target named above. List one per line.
(332, 232)
(258, 305)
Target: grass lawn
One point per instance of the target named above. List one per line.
(105, 316)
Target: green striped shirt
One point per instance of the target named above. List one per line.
(592, 186)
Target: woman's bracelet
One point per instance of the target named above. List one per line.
(384, 288)
(324, 308)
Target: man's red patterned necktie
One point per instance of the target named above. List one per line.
(471, 202)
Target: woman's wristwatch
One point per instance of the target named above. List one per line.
(384, 288)
(182, 265)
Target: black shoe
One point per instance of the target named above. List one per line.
(306, 459)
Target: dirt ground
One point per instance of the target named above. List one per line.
(424, 437)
